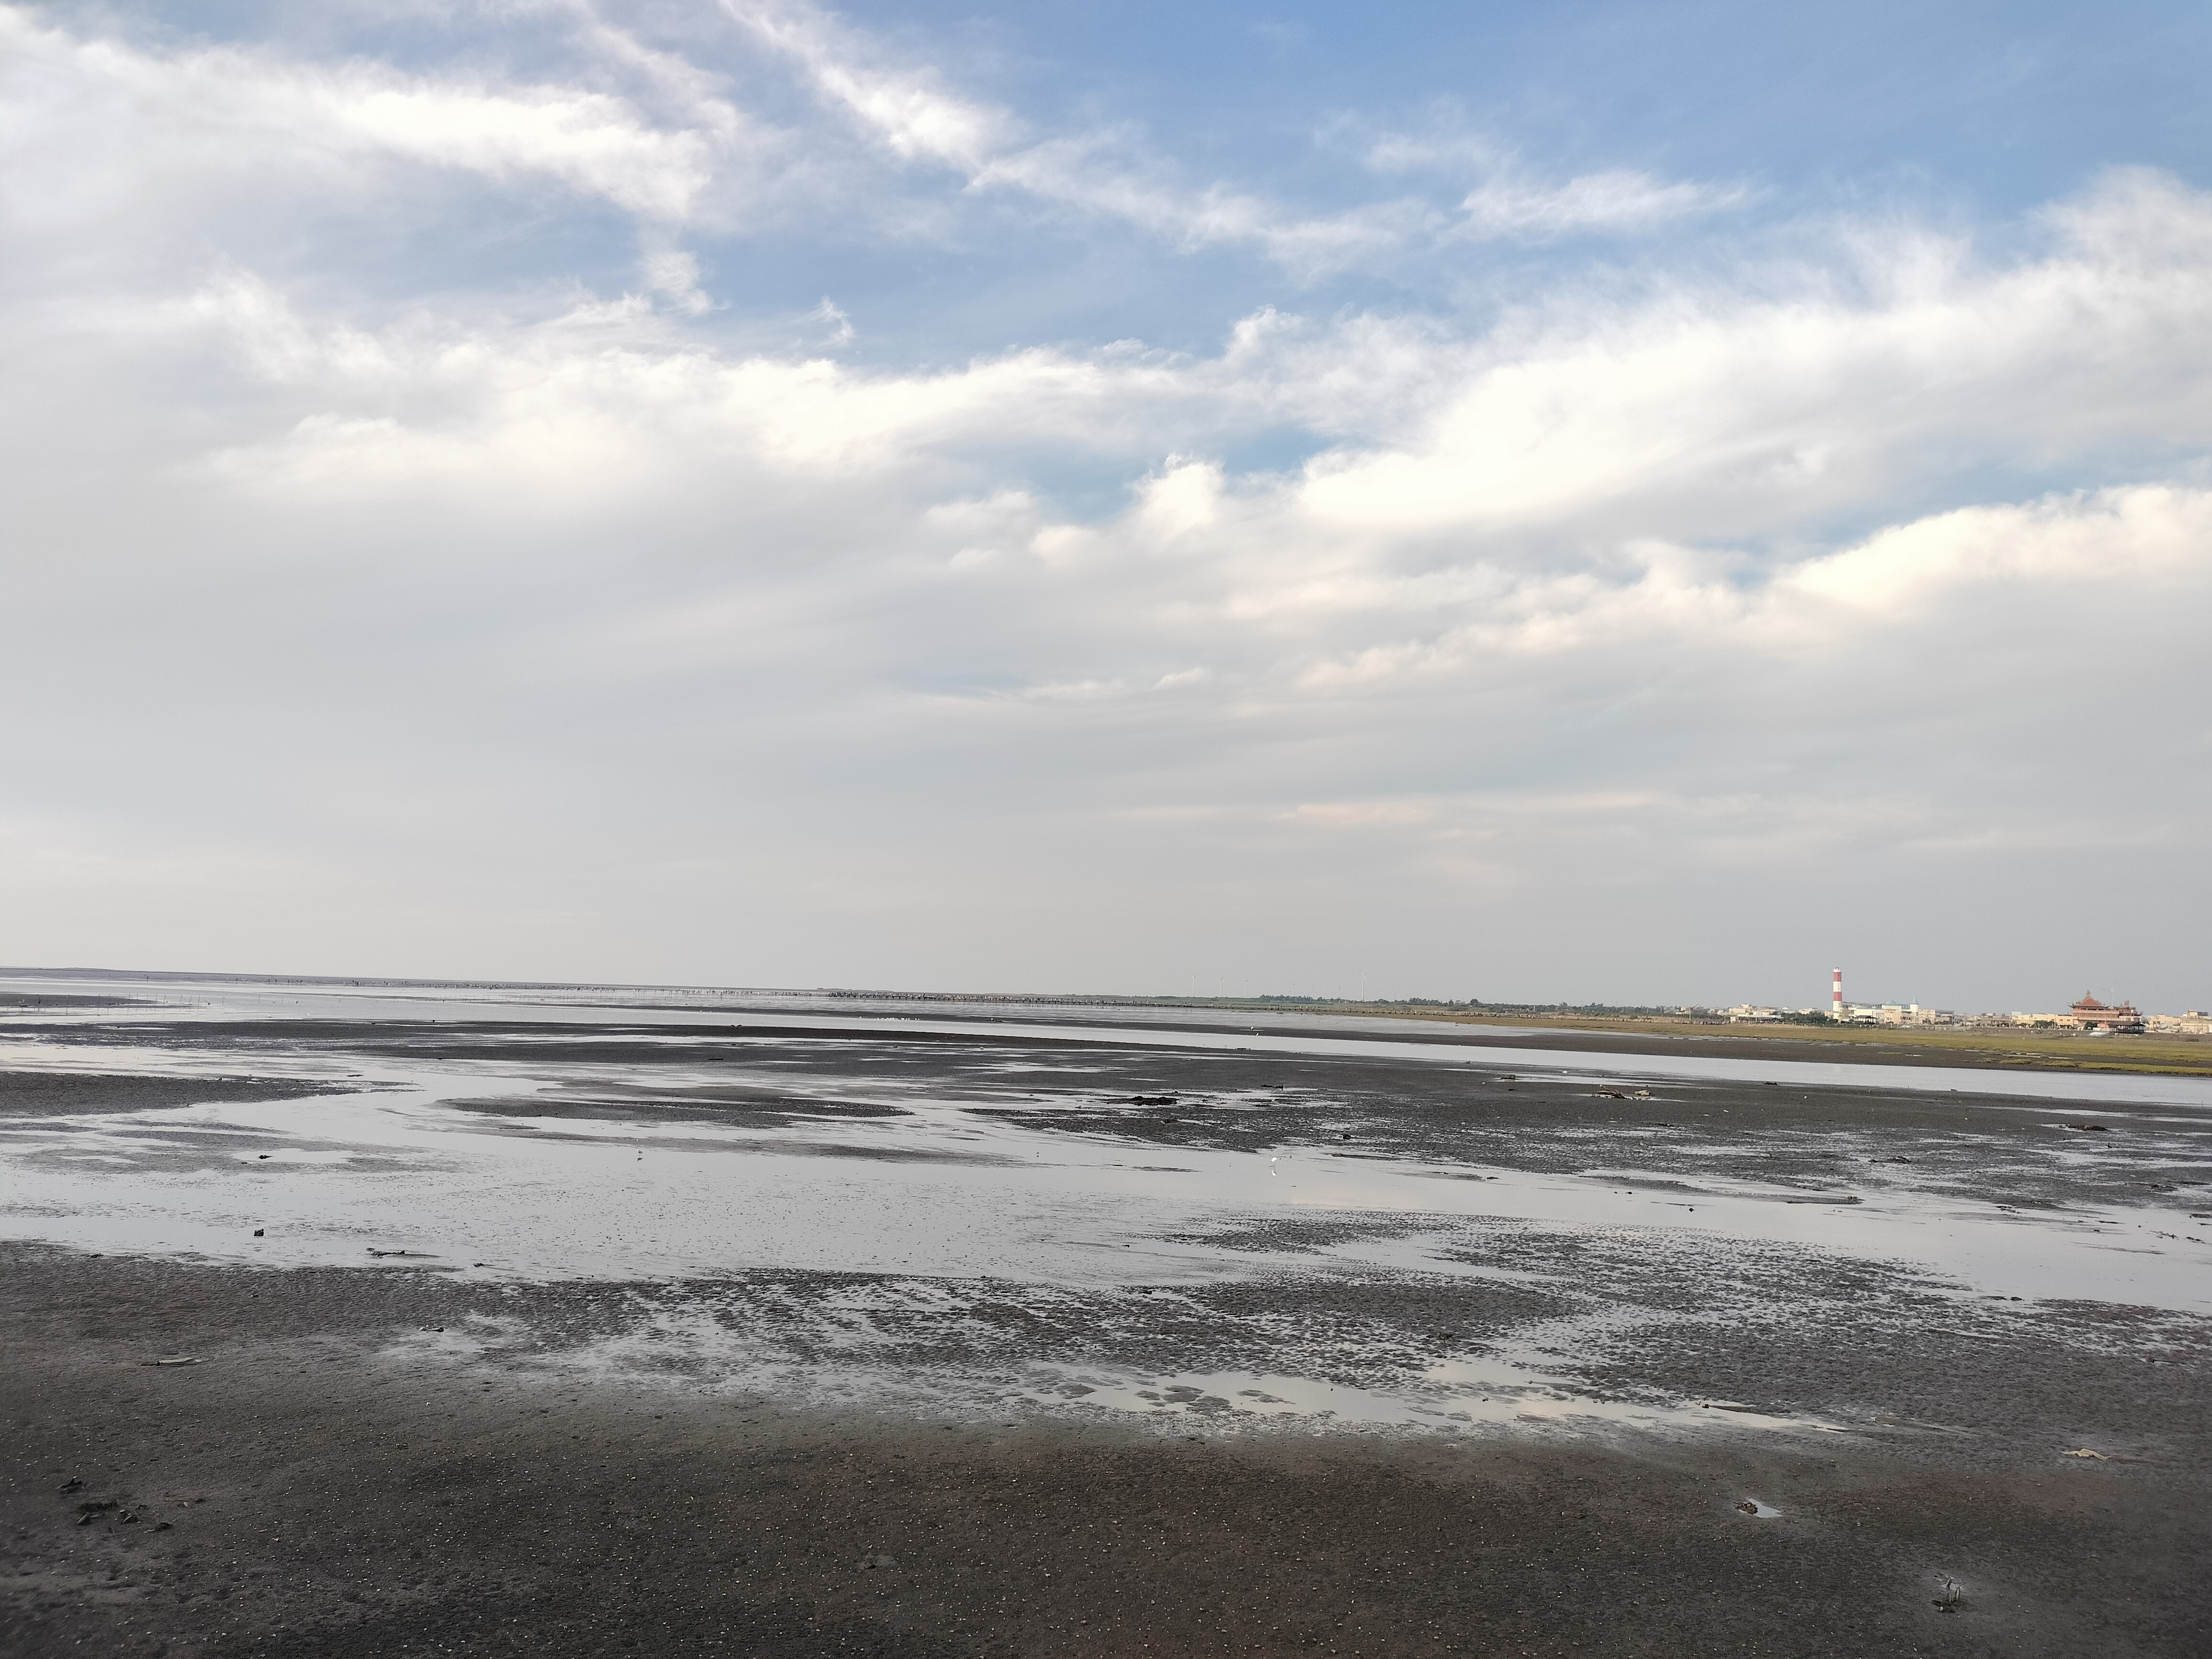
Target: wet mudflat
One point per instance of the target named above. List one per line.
(607, 1330)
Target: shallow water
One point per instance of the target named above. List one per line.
(938, 1191)
(947, 1181)
(1152, 1027)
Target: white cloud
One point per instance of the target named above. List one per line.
(217, 110)
(907, 108)
(1613, 200)
(1762, 411)
(1563, 484)
(911, 112)
(675, 273)
(842, 331)
(1722, 417)
(2147, 541)
(1866, 561)
(1513, 201)
(229, 125)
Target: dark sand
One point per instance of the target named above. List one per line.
(313, 1485)
(291, 1494)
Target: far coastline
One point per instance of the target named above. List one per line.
(1985, 1041)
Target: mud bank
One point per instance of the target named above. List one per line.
(380, 1328)
(313, 1485)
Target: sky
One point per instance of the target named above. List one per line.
(1640, 503)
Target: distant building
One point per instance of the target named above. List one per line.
(2192, 1022)
(2091, 1015)
(1899, 1013)
(1911, 1013)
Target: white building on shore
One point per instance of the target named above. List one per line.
(1899, 1013)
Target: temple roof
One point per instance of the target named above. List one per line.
(2089, 1007)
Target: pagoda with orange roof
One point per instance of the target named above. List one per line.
(2091, 1015)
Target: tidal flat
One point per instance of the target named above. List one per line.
(365, 1322)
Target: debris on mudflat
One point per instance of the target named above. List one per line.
(373, 1250)
(72, 1485)
(176, 1359)
(1151, 1100)
(2092, 1128)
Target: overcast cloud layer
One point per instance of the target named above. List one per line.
(749, 494)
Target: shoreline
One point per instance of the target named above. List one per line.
(2163, 1054)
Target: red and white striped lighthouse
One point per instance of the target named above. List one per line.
(1836, 997)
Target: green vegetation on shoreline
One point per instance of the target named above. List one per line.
(2171, 1054)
